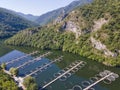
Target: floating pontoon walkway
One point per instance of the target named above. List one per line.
(36, 59)
(17, 59)
(45, 66)
(73, 66)
(111, 76)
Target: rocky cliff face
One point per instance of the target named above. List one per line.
(71, 26)
(99, 23)
(75, 25)
(99, 46)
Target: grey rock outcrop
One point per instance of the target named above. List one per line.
(99, 46)
(99, 23)
(71, 26)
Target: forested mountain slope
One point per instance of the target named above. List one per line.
(52, 15)
(92, 31)
(11, 23)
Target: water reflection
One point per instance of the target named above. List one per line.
(45, 76)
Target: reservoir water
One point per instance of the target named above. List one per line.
(92, 68)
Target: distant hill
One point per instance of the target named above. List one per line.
(92, 31)
(11, 23)
(50, 16)
(29, 17)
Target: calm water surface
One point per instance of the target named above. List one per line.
(92, 68)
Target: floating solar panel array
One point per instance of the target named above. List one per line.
(19, 58)
(36, 59)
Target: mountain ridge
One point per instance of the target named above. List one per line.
(29, 17)
(11, 23)
(52, 15)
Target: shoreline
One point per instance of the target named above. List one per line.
(18, 80)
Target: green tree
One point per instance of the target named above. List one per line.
(14, 71)
(30, 84)
(6, 82)
(3, 66)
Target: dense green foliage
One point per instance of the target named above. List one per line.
(3, 66)
(52, 37)
(110, 10)
(29, 83)
(11, 23)
(14, 71)
(6, 83)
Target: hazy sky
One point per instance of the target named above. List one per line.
(35, 7)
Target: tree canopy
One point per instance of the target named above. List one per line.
(6, 82)
(30, 84)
